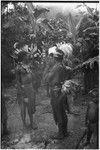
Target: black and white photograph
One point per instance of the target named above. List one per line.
(49, 74)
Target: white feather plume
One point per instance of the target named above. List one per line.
(52, 50)
(67, 49)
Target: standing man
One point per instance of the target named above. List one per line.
(56, 78)
(25, 91)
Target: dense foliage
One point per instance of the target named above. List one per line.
(29, 24)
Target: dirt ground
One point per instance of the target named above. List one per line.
(40, 138)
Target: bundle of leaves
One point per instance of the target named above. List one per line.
(70, 86)
(89, 32)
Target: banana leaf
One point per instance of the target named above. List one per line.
(30, 8)
(89, 62)
(71, 26)
(79, 23)
(74, 29)
(92, 29)
(39, 21)
(32, 18)
(46, 22)
(40, 11)
(89, 9)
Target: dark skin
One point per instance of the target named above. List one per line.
(56, 77)
(66, 74)
(91, 121)
(24, 106)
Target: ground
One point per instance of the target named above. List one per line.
(41, 137)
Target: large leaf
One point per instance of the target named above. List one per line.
(32, 18)
(37, 21)
(39, 11)
(71, 26)
(30, 8)
(89, 9)
(44, 23)
(79, 23)
(91, 30)
(40, 20)
(91, 61)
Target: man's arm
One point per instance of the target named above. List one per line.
(68, 73)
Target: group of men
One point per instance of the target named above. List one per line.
(55, 76)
